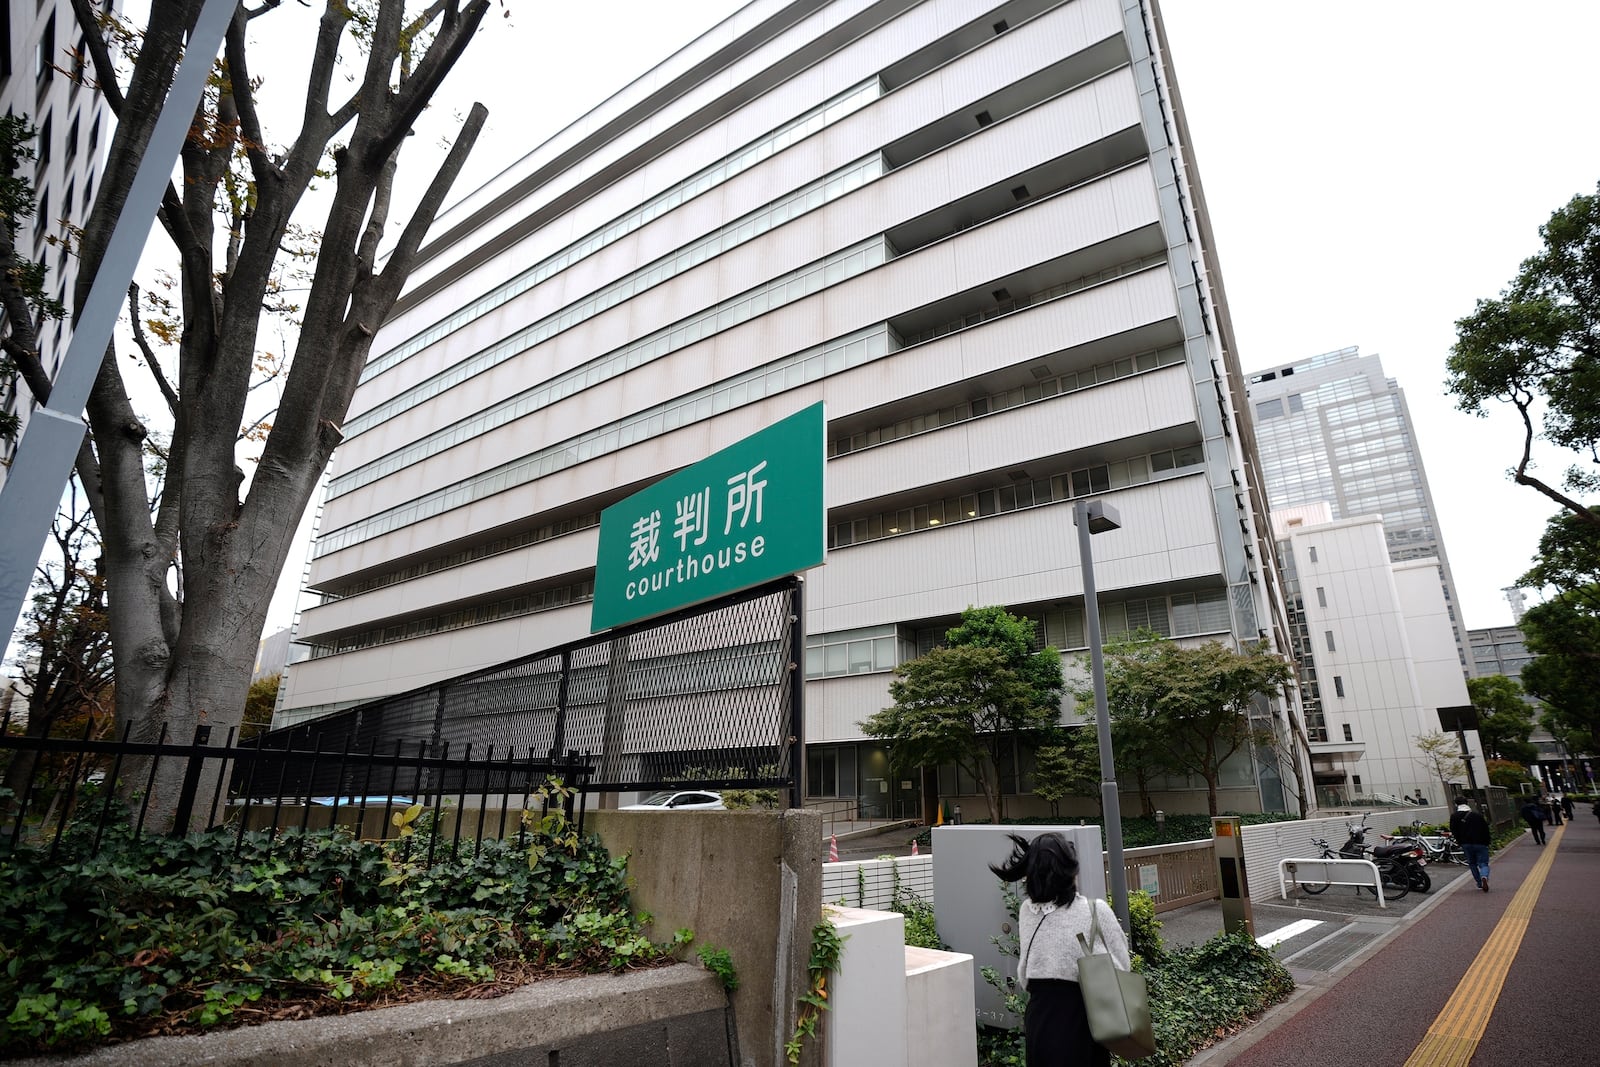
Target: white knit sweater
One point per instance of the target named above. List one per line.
(1049, 938)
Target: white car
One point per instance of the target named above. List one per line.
(678, 800)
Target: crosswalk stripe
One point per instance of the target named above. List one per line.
(1282, 934)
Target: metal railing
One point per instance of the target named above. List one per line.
(84, 788)
(1184, 873)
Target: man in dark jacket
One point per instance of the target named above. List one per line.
(1471, 831)
(1533, 815)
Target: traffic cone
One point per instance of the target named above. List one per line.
(940, 820)
(913, 848)
(833, 848)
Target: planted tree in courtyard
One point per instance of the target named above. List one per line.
(1131, 692)
(191, 559)
(1563, 632)
(968, 702)
(1204, 710)
(1067, 766)
(1537, 347)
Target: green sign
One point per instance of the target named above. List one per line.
(743, 516)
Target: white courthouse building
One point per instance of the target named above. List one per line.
(974, 231)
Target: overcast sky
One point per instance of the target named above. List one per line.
(1371, 168)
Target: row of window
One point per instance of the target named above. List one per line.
(831, 111)
(1014, 496)
(511, 607)
(467, 555)
(779, 376)
(788, 288)
(876, 649)
(1006, 302)
(1042, 389)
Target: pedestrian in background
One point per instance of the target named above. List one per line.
(1533, 815)
(1555, 809)
(1472, 833)
(1597, 809)
(1566, 806)
(1052, 914)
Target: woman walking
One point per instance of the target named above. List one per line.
(1051, 916)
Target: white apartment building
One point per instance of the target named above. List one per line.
(973, 229)
(39, 40)
(1377, 655)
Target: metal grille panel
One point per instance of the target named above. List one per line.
(704, 697)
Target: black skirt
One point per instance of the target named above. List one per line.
(1056, 1029)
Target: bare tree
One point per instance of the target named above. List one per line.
(1440, 754)
(192, 563)
(66, 668)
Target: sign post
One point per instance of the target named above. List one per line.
(741, 517)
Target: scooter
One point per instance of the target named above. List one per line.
(1398, 864)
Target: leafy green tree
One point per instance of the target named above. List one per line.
(1203, 711)
(1537, 348)
(1132, 688)
(1440, 753)
(1508, 774)
(1504, 719)
(967, 702)
(1563, 633)
(259, 703)
(1068, 767)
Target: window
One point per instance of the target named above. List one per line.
(1328, 636)
(47, 48)
(1355, 781)
(852, 652)
(1312, 553)
(1296, 404)
(1322, 597)
(1338, 689)
(1269, 409)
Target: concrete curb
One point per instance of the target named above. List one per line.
(1305, 995)
(553, 1013)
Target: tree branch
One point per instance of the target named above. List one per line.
(1522, 477)
(244, 99)
(149, 356)
(105, 71)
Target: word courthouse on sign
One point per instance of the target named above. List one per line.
(746, 515)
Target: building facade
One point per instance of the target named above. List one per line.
(1334, 428)
(974, 232)
(1377, 657)
(41, 49)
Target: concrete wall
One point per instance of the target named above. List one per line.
(748, 882)
(667, 1017)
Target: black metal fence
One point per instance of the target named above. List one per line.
(89, 785)
(710, 696)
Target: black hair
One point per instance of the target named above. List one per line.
(1047, 866)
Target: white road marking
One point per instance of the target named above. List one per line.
(1284, 933)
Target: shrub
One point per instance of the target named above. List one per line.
(173, 934)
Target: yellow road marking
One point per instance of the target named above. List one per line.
(1455, 1034)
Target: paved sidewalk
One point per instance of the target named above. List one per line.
(1371, 989)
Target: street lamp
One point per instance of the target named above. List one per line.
(1092, 517)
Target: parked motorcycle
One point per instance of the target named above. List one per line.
(1400, 864)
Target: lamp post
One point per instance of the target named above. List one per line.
(1092, 517)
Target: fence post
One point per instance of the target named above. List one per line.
(797, 694)
(191, 781)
